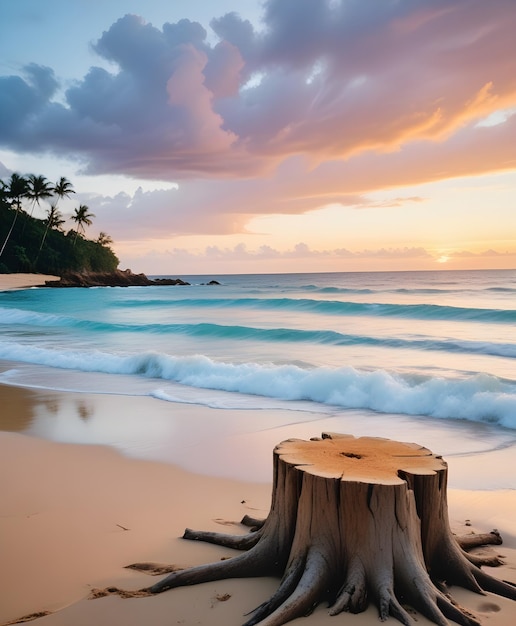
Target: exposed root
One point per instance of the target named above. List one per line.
(252, 563)
(389, 605)
(493, 585)
(490, 560)
(305, 596)
(254, 523)
(478, 540)
(289, 582)
(475, 540)
(153, 569)
(352, 596)
(456, 613)
(238, 542)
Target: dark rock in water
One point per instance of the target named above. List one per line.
(214, 282)
(168, 281)
(118, 278)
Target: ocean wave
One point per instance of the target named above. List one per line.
(288, 335)
(336, 307)
(343, 290)
(332, 289)
(423, 311)
(480, 397)
(18, 316)
(313, 288)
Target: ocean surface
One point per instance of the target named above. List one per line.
(425, 355)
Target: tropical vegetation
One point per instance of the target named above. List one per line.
(32, 244)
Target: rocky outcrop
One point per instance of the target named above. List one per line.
(118, 278)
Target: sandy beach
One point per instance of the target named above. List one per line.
(22, 281)
(73, 516)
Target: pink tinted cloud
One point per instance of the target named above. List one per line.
(240, 257)
(201, 130)
(329, 81)
(226, 206)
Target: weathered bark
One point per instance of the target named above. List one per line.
(352, 521)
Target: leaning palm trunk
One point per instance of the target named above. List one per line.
(42, 242)
(11, 229)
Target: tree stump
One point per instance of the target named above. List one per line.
(353, 521)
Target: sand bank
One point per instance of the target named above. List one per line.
(22, 281)
(72, 516)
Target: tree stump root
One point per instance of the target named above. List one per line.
(353, 521)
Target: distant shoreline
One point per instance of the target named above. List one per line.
(118, 278)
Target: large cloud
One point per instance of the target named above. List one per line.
(225, 206)
(322, 79)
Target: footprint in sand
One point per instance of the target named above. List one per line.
(488, 607)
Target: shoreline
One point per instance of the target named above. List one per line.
(65, 509)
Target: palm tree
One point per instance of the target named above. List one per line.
(54, 220)
(3, 191)
(39, 189)
(16, 189)
(63, 188)
(104, 239)
(82, 218)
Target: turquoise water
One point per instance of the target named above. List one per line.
(438, 344)
(422, 345)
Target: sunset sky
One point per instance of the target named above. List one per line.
(280, 136)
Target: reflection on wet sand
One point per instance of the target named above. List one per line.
(16, 408)
(25, 410)
(85, 410)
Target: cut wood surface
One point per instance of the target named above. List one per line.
(353, 521)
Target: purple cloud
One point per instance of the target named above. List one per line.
(325, 80)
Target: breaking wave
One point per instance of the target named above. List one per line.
(479, 397)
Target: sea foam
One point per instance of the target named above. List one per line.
(479, 397)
